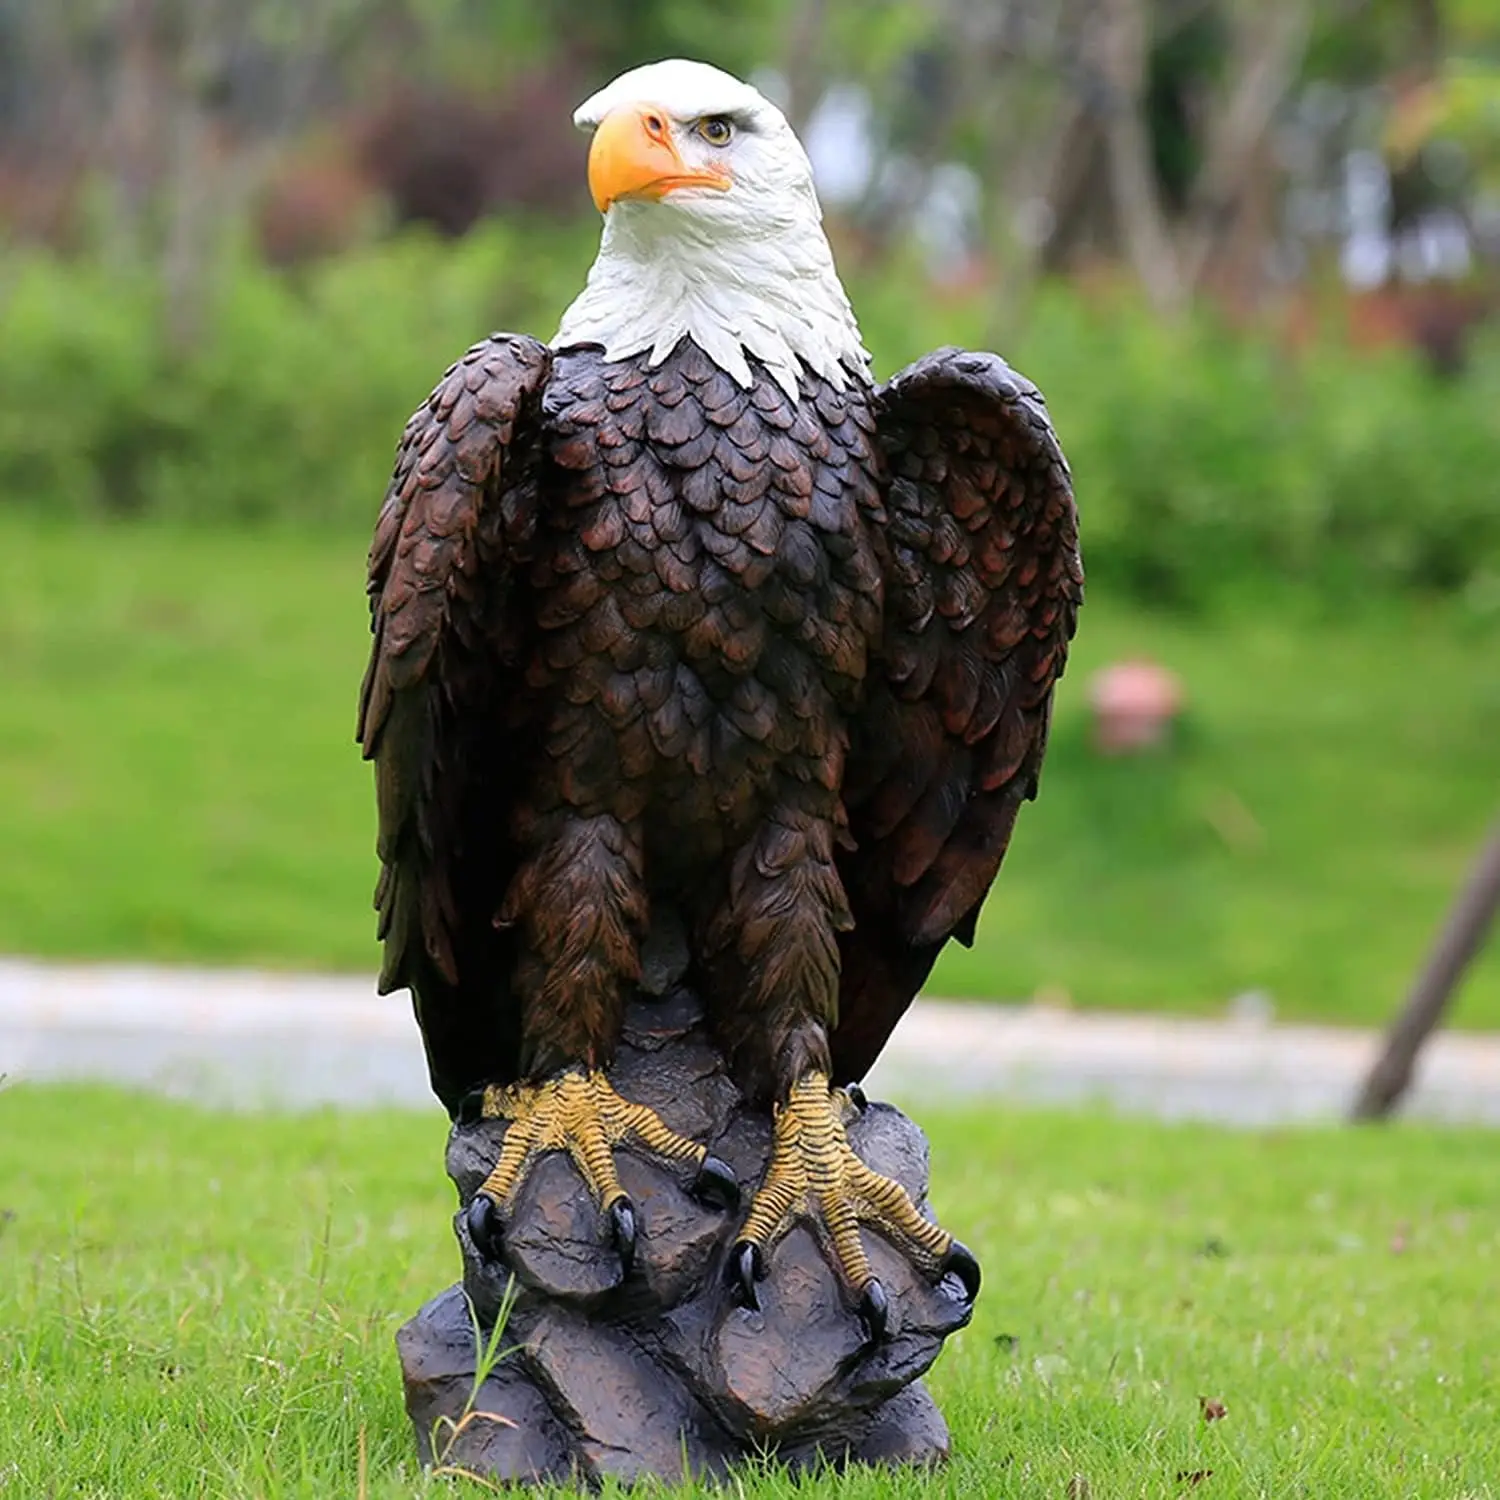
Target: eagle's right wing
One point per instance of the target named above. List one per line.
(439, 709)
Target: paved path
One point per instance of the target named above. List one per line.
(250, 1038)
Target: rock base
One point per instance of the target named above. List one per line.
(666, 1374)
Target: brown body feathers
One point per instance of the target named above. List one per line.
(651, 645)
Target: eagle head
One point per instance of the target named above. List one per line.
(695, 137)
(712, 231)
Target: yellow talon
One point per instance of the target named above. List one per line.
(580, 1113)
(814, 1174)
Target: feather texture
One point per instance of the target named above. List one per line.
(983, 585)
(438, 711)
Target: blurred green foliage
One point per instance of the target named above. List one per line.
(1205, 459)
(1459, 108)
(289, 407)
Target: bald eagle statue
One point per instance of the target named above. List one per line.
(682, 617)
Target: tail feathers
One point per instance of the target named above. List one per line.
(470, 1025)
(881, 976)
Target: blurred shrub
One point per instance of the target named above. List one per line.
(291, 409)
(1205, 461)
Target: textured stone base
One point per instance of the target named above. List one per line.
(575, 1415)
(666, 1374)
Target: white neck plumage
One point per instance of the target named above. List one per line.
(769, 292)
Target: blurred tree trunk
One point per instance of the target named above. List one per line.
(802, 62)
(132, 137)
(1109, 201)
(1035, 125)
(183, 141)
(1269, 45)
(193, 188)
(1431, 35)
(1120, 43)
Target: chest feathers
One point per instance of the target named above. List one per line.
(703, 523)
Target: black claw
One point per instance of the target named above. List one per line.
(960, 1260)
(622, 1231)
(747, 1266)
(484, 1226)
(857, 1097)
(875, 1311)
(717, 1185)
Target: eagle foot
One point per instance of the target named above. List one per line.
(578, 1111)
(814, 1174)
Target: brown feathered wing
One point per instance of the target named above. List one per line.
(439, 705)
(983, 582)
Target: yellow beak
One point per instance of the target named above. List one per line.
(633, 156)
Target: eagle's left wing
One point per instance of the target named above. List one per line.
(983, 582)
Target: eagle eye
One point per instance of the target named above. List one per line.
(716, 130)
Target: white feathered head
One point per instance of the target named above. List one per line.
(712, 231)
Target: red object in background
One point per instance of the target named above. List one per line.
(1134, 705)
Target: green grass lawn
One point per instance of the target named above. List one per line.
(199, 1305)
(178, 781)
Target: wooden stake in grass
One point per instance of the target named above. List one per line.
(1460, 940)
